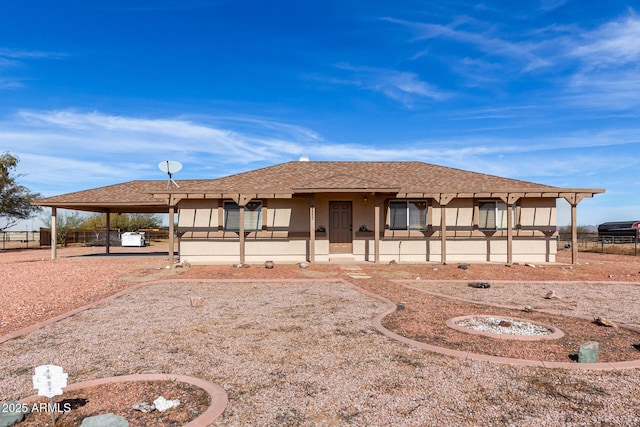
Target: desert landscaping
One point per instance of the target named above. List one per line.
(300, 346)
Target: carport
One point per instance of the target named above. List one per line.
(127, 198)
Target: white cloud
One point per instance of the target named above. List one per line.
(64, 151)
(479, 36)
(11, 59)
(615, 43)
(402, 86)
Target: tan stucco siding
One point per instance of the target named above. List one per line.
(538, 212)
(285, 233)
(198, 214)
(287, 214)
(228, 251)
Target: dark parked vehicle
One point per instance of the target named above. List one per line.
(618, 228)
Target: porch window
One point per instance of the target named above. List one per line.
(409, 215)
(252, 216)
(493, 216)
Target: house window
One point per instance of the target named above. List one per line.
(410, 215)
(252, 216)
(493, 216)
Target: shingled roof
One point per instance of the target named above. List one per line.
(305, 177)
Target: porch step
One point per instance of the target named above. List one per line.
(355, 272)
(342, 258)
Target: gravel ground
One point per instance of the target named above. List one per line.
(302, 352)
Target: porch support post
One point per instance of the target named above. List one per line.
(509, 234)
(574, 199)
(54, 232)
(376, 231)
(107, 240)
(443, 201)
(241, 229)
(574, 233)
(443, 234)
(172, 212)
(312, 234)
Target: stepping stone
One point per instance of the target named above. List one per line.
(105, 420)
(359, 276)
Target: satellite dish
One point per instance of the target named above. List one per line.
(170, 167)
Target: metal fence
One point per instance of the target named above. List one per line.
(19, 239)
(32, 239)
(592, 242)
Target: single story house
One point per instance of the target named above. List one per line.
(362, 211)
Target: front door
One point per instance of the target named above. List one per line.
(340, 228)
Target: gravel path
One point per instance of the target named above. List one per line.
(294, 351)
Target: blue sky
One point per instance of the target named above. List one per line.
(94, 93)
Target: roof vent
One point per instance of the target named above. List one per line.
(303, 159)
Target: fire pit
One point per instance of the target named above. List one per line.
(508, 328)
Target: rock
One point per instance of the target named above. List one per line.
(530, 265)
(144, 407)
(435, 268)
(303, 265)
(269, 264)
(105, 420)
(400, 306)
(528, 308)
(162, 404)
(588, 352)
(552, 294)
(603, 321)
(197, 302)
(74, 403)
(463, 266)
(241, 265)
(480, 285)
(11, 413)
(392, 262)
(505, 324)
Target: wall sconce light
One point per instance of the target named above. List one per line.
(364, 200)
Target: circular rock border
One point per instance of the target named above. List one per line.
(219, 398)
(554, 334)
(376, 322)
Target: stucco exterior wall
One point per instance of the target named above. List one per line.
(285, 233)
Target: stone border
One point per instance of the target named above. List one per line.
(377, 323)
(219, 398)
(554, 334)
